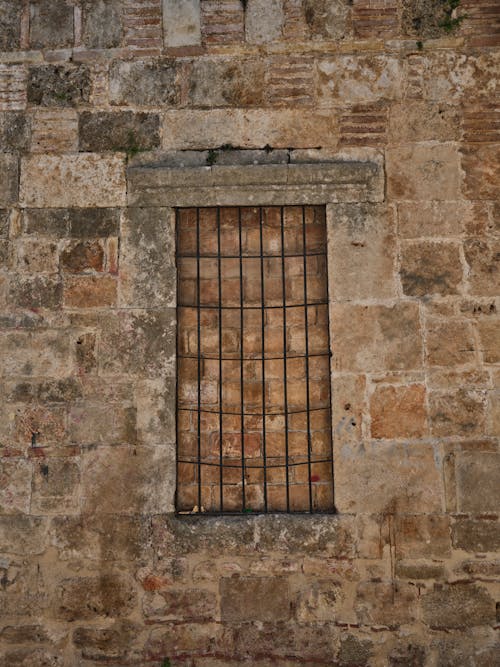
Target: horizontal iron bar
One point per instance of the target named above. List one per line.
(263, 256)
(250, 512)
(234, 465)
(255, 414)
(288, 356)
(260, 307)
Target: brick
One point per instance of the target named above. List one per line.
(481, 23)
(15, 478)
(221, 82)
(58, 85)
(459, 412)
(290, 82)
(142, 20)
(54, 131)
(263, 21)
(477, 482)
(384, 603)
(89, 291)
(9, 170)
(51, 24)
(73, 180)
(363, 125)
(375, 18)
(476, 535)
(423, 172)
(102, 23)
(431, 267)
(81, 598)
(10, 25)
(123, 131)
(144, 83)
(481, 124)
(458, 606)
(222, 21)
(358, 80)
(14, 131)
(12, 87)
(262, 599)
(181, 23)
(373, 338)
(398, 412)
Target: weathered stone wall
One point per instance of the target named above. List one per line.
(94, 567)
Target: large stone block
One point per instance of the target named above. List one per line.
(362, 255)
(263, 21)
(456, 606)
(81, 180)
(386, 603)
(90, 291)
(15, 486)
(483, 258)
(181, 22)
(101, 23)
(437, 218)
(156, 411)
(118, 131)
(376, 338)
(423, 121)
(420, 536)
(459, 412)
(112, 642)
(478, 489)
(450, 343)
(14, 131)
(55, 486)
(36, 292)
(259, 599)
(476, 535)
(431, 267)
(23, 535)
(109, 594)
(482, 172)
(147, 258)
(348, 407)
(354, 652)
(222, 82)
(10, 24)
(387, 478)
(81, 223)
(181, 604)
(91, 424)
(398, 412)
(357, 79)
(44, 353)
(144, 83)
(423, 172)
(51, 24)
(59, 85)
(9, 174)
(489, 334)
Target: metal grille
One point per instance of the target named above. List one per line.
(253, 361)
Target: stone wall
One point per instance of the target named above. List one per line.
(95, 568)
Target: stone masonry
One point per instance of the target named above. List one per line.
(113, 113)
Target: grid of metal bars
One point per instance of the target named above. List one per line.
(261, 264)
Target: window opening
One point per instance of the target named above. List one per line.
(253, 361)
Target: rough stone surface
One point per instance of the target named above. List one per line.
(126, 131)
(58, 85)
(431, 268)
(10, 24)
(101, 23)
(148, 83)
(51, 24)
(181, 22)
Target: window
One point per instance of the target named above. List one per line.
(253, 360)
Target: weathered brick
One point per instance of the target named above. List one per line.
(364, 125)
(480, 25)
(10, 24)
(398, 412)
(375, 18)
(101, 23)
(73, 180)
(51, 24)
(144, 83)
(142, 21)
(123, 131)
(54, 131)
(431, 267)
(477, 481)
(90, 597)
(222, 21)
(58, 85)
(458, 606)
(12, 87)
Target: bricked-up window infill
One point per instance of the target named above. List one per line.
(253, 360)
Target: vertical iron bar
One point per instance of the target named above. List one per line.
(242, 399)
(330, 424)
(306, 326)
(262, 314)
(285, 388)
(219, 282)
(198, 324)
(177, 439)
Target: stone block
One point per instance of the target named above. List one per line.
(263, 21)
(449, 343)
(318, 602)
(54, 130)
(419, 572)
(138, 342)
(222, 83)
(36, 292)
(90, 291)
(385, 603)
(102, 424)
(23, 535)
(51, 24)
(482, 172)
(118, 131)
(144, 83)
(357, 79)
(15, 486)
(45, 354)
(431, 267)
(10, 24)
(36, 256)
(458, 606)
(483, 259)
(47, 424)
(387, 478)
(415, 121)
(9, 170)
(327, 19)
(81, 223)
(55, 486)
(398, 412)
(83, 257)
(181, 605)
(33, 657)
(348, 407)
(112, 642)
(420, 536)
(82, 598)
(354, 652)
(362, 255)
(459, 412)
(248, 128)
(376, 338)
(437, 218)
(156, 411)
(181, 638)
(423, 172)
(257, 599)
(181, 23)
(59, 85)
(478, 489)
(125, 480)
(476, 535)
(14, 131)
(101, 23)
(83, 180)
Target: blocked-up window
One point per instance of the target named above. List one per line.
(253, 361)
